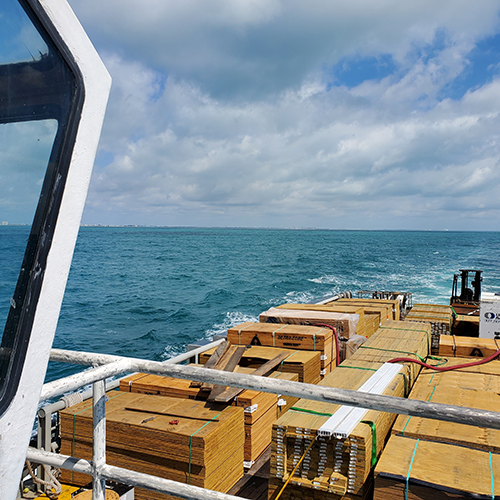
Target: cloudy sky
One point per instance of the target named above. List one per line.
(325, 113)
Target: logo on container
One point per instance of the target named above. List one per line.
(489, 315)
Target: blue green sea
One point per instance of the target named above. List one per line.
(148, 292)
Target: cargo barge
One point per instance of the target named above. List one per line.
(351, 398)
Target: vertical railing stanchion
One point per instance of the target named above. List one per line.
(99, 440)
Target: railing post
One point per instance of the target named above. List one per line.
(99, 440)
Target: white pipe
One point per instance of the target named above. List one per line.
(99, 440)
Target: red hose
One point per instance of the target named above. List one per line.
(447, 368)
(337, 357)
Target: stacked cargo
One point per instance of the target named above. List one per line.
(464, 347)
(309, 338)
(261, 408)
(439, 317)
(189, 441)
(307, 364)
(432, 459)
(392, 311)
(341, 464)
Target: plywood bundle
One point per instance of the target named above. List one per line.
(426, 470)
(397, 339)
(474, 387)
(393, 310)
(307, 364)
(439, 317)
(261, 408)
(332, 465)
(189, 441)
(301, 337)
(450, 345)
(367, 325)
(345, 324)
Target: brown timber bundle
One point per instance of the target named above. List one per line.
(307, 364)
(346, 325)
(450, 345)
(397, 339)
(393, 311)
(418, 469)
(332, 465)
(474, 387)
(301, 337)
(366, 324)
(189, 441)
(261, 408)
(439, 318)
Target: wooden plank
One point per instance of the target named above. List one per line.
(262, 371)
(229, 367)
(212, 362)
(450, 345)
(226, 363)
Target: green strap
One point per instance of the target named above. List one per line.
(492, 479)
(274, 345)
(409, 470)
(288, 357)
(311, 411)
(358, 368)
(240, 330)
(393, 350)
(374, 440)
(191, 443)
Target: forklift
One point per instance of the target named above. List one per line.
(465, 307)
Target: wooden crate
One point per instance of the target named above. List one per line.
(463, 347)
(308, 338)
(261, 409)
(439, 317)
(426, 470)
(474, 387)
(346, 325)
(189, 441)
(307, 364)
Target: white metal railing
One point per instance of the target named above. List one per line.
(116, 365)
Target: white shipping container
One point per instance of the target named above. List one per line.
(489, 322)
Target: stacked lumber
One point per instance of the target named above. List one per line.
(346, 325)
(392, 312)
(301, 337)
(457, 454)
(370, 318)
(397, 339)
(261, 409)
(438, 316)
(337, 465)
(465, 347)
(189, 441)
(427, 470)
(307, 364)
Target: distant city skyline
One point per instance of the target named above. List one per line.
(285, 114)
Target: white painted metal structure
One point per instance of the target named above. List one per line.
(16, 424)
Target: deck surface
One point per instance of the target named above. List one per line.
(254, 484)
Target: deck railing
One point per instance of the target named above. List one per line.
(109, 366)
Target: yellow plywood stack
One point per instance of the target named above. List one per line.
(332, 465)
(188, 441)
(439, 317)
(393, 310)
(452, 449)
(261, 408)
(450, 345)
(397, 339)
(346, 325)
(309, 338)
(427, 470)
(307, 364)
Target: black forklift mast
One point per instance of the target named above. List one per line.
(467, 295)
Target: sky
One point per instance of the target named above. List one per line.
(273, 113)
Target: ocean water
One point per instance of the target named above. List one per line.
(148, 292)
